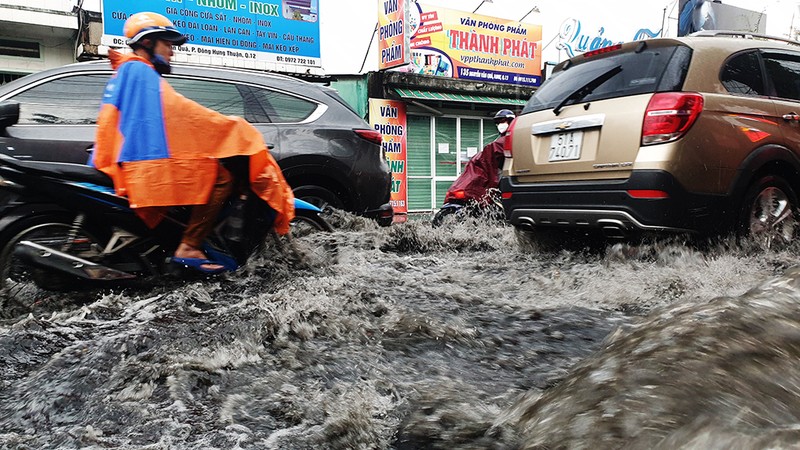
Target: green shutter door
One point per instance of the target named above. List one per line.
(454, 142)
(418, 155)
(446, 147)
(446, 157)
(489, 132)
(441, 191)
(470, 140)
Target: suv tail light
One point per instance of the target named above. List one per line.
(669, 116)
(370, 135)
(507, 152)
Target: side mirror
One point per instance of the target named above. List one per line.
(9, 114)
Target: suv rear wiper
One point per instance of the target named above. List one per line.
(587, 88)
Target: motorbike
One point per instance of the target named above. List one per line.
(62, 227)
(475, 192)
(487, 206)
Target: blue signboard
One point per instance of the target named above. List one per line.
(277, 31)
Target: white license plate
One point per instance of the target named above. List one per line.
(565, 146)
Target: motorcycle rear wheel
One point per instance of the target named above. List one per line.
(443, 214)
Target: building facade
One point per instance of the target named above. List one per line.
(447, 121)
(36, 35)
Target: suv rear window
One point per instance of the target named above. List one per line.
(742, 75)
(632, 73)
(784, 71)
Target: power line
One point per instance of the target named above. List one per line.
(366, 55)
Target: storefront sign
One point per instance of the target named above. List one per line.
(389, 118)
(700, 15)
(394, 41)
(575, 38)
(459, 44)
(276, 31)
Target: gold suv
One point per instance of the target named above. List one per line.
(698, 134)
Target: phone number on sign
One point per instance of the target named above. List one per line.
(295, 60)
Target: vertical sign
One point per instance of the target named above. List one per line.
(394, 44)
(389, 118)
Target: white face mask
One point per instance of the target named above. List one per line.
(502, 127)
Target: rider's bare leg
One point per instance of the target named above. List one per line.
(202, 220)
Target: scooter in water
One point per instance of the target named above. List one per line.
(62, 228)
(475, 192)
(488, 206)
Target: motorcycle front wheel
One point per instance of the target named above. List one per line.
(53, 231)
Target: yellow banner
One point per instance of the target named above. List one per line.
(460, 44)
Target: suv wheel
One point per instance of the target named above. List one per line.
(318, 196)
(769, 213)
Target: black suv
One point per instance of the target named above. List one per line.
(328, 154)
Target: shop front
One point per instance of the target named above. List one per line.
(439, 145)
(443, 75)
(431, 125)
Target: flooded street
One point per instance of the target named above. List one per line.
(413, 337)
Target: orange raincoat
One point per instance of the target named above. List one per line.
(162, 149)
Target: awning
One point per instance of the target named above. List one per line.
(462, 98)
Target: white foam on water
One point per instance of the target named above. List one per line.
(400, 337)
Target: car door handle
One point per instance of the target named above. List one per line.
(791, 116)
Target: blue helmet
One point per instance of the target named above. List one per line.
(504, 115)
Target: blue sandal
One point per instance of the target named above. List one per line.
(198, 263)
(221, 259)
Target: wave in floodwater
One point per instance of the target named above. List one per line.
(718, 373)
(417, 337)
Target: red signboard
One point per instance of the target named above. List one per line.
(389, 118)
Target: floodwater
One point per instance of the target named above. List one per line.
(412, 337)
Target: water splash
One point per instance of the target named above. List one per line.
(368, 337)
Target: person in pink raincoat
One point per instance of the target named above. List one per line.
(480, 175)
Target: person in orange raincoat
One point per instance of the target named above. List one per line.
(162, 149)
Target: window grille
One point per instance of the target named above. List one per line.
(22, 49)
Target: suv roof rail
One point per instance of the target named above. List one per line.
(743, 35)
